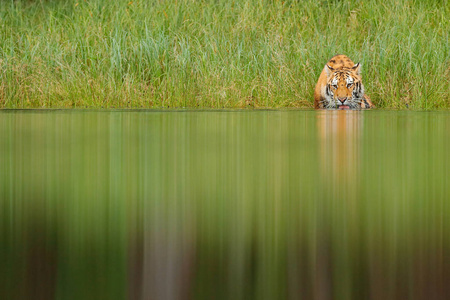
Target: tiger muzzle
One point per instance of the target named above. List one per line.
(342, 99)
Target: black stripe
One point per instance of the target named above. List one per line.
(366, 103)
(357, 90)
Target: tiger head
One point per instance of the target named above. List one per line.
(344, 87)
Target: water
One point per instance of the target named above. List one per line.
(224, 205)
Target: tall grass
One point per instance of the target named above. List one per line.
(249, 53)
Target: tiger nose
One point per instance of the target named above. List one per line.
(342, 99)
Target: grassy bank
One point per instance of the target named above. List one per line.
(218, 53)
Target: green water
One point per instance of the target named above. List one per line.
(224, 205)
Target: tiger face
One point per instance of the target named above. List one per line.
(344, 89)
(340, 87)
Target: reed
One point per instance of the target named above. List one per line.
(218, 54)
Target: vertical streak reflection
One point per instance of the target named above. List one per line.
(224, 205)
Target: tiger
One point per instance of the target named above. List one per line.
(340, 86)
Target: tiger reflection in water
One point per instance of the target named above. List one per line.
(339, 135)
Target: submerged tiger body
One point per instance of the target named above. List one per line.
(340, 86)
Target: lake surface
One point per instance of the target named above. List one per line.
(224, 205)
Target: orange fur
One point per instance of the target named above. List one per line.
(340, 80)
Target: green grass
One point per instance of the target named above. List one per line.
(218, 54)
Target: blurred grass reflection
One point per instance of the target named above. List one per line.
(224, 205)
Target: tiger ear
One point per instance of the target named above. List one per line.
(357, 68)
(329, 70)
